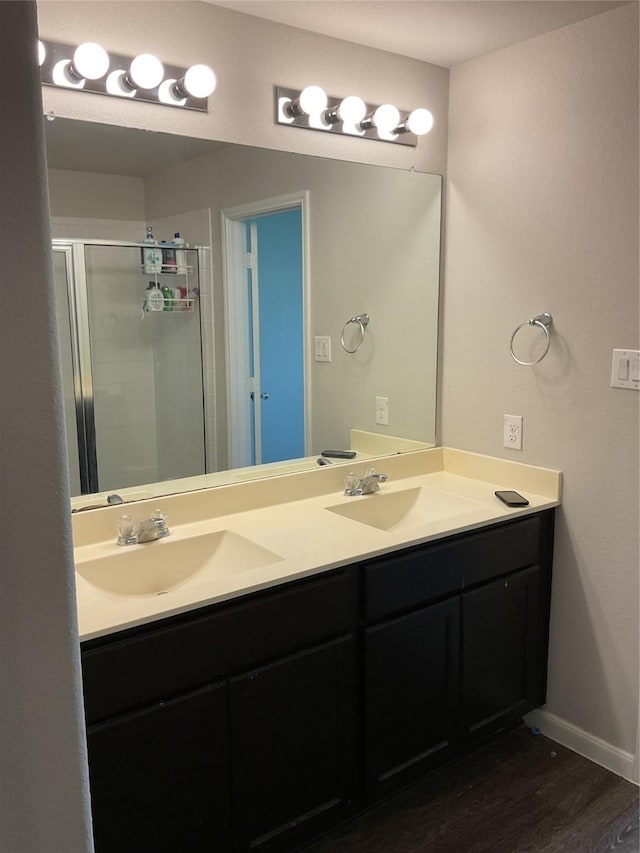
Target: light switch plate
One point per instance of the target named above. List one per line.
(322, 348)
(625, 369)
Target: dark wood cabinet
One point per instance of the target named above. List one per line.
(257, 723)
(411, 693)
(501, 651)
(160, 777)
(293, 746)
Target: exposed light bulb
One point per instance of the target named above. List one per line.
(420, 121)
(352, 110)
(90, 61)
(116, 84)
(199, 81)
(386, 118)
(313, 100)
(146, 71)
(168, 93)
(63, 75)
(42, 52)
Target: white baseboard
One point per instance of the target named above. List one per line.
(594, 748)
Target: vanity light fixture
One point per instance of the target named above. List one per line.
(144, 78)
(311, 108)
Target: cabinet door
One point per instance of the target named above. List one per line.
(159, 777)
(411, 686)
(501, 652)
(293, 746)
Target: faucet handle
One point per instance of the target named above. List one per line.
(160, 520)
(127, 530)
(352, 485)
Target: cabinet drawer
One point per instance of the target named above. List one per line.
(504, 549)
(431, 571)
(410, 579)
(161, 661)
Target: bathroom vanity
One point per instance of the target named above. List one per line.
(262, 718)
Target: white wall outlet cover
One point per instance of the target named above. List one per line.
(382, 411)
(513, 432)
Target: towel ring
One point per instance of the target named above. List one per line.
(362, 320)
(542, 321)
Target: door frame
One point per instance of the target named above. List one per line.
(234, 249)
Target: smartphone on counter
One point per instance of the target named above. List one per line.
(511, 498)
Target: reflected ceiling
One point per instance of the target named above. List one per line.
(107, 149)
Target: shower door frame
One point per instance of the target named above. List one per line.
(75, 268)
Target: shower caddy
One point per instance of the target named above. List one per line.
(168, 272)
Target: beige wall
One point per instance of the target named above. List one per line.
(543, 216)
(87, 195)
(374, 238)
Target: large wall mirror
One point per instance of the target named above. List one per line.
(231, 360)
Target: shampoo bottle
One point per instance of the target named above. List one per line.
(181, 255)
(168, 258)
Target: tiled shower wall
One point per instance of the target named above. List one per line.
(123, 358)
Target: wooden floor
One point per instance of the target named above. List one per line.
(521, 794)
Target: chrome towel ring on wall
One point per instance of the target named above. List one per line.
(542, 321)
(362, 321)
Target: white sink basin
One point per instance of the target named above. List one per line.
(158, 567)
(396, 510)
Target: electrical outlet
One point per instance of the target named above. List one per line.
(513, 432)
(382, 411)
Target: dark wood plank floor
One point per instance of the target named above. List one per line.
(521, 794)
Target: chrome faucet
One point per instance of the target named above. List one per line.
(369, 484)
(147, 531)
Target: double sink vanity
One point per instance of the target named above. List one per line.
(289, 655)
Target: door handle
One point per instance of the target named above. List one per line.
(264, 396)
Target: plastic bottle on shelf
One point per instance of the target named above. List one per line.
(168, 296)
(181, 255)
(151, 255)
(168, 257)
(155, 298)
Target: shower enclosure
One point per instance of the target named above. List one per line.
(132, 367)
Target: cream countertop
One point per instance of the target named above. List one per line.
(289, 517)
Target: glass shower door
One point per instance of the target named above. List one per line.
(137, 373)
